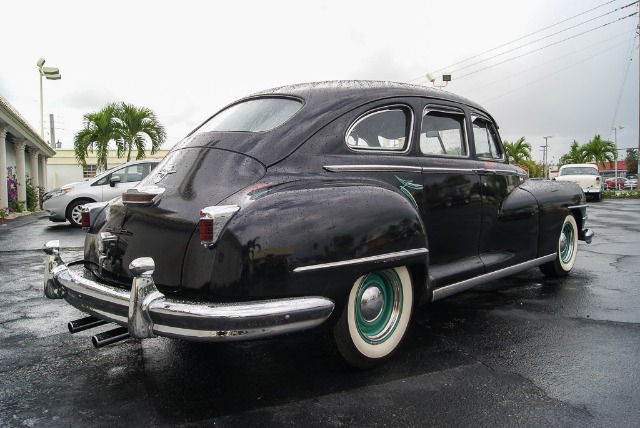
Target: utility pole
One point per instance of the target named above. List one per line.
(545, 169)
(53, 131)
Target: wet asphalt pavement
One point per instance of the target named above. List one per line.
(524, 351)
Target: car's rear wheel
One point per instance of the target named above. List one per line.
(375, 318)
(566, 252)
(74, 212)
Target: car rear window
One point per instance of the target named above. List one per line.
(578, 170)
(255, 115)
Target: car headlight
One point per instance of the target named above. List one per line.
(56, 192)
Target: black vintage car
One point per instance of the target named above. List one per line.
(333, 206)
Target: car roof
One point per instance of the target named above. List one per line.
(323, 102)
(583, 165)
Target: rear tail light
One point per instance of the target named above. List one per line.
(93, 213)
(86, 219)
(212, 221)
(206, 229)
(145, 195)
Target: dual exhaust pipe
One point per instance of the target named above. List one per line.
(101, 339)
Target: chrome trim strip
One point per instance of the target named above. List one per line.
(447, 110)
(372, 259)
(377, 110)
(573, 207)
(372, 168)
(449, 290)
(438, 170)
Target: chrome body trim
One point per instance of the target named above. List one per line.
(146, 312)
(440, 108)
(377, 110)
(372, 259)
(449, 290)
(575, 207)
(372, 168)
(439, 170)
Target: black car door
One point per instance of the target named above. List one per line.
(452, 201)
(510, 217)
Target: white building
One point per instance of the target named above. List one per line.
(22, 150)
(30, 157)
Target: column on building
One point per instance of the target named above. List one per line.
(21, 175)
(4, 195)
(43, 172)
(35, 175)
(33, 159)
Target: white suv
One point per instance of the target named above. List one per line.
(65, 202)
(586, 175)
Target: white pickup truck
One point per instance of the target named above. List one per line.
(586, 175)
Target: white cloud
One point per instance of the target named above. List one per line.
(185, 60)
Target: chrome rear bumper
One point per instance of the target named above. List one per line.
(146, 312)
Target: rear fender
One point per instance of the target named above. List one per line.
(311, 240)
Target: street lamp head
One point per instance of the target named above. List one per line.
(40, 62)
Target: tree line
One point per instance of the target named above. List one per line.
(130, 127)
(596, 150)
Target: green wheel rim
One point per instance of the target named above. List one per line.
(377, 325)
(567, 243)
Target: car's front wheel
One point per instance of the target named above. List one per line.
(74, 212)
(566, 252)
(376, 317)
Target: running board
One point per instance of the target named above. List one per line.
(449, 290)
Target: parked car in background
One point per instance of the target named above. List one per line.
(65, 202)
(631, 184)
(335, 206)
(614, 183)
(586, 175)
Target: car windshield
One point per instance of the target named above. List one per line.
(256, 115)
(579, 170)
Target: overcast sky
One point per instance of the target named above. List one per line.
(185, 60)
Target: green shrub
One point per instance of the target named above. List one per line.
(32, 196)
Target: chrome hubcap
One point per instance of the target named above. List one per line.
(567, 243)
(378, 306)
(371, 303)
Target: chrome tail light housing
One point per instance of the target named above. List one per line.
(213, 220)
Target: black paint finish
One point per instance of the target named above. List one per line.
(474, 216)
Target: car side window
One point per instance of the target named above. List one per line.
(385, 129)
(442, 133)
(132, 173)
(486, 139)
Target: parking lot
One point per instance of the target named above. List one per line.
(523, 351)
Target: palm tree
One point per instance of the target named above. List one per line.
(575, 155)
(99, 129)
(599, 151)
(518, 152)
(135, 125)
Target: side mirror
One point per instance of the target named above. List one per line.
(114, 180)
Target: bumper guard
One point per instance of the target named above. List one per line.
(146, 312)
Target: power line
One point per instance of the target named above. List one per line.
(546, 37)
(555, 73)
(544, 47)
(528, 35)
(624, 79)
(549, 62)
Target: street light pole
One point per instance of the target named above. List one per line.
(51, 73)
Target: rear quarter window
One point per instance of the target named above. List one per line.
(255, 115)
(387, 129)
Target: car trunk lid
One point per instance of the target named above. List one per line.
(185, 182)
